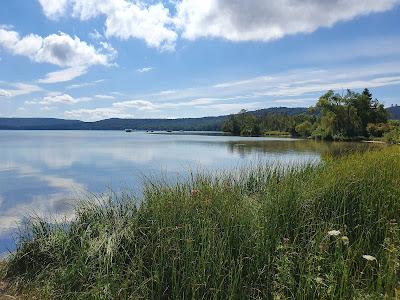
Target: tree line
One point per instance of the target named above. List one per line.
(335, 116)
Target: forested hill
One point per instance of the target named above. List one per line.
(394, 112)
(205, 123)
(38, 123)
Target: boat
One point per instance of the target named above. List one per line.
(128, 130)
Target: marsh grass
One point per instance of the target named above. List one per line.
(263, 233)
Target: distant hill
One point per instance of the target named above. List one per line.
(195, 124)
(38, 123)
(205, 123)
(394, 112)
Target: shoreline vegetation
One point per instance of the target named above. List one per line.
(326, 231)
(335, 117)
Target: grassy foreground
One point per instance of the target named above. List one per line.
(318, 232)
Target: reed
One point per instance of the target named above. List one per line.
(327, 231)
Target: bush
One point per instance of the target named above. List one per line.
(321, 134)
(393, 136)
(378, 130)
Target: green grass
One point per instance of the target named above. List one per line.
(262, 234)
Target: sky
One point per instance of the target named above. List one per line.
(97, 59)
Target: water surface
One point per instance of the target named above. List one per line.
(44, 172)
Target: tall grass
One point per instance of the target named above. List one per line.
(266, 233)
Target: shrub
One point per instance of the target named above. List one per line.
(393, 136)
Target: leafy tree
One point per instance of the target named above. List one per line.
(348, 116)
(335, 116)
(242, 123)
(304, 129)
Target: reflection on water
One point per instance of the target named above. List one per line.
(303, 147)
(43, 172)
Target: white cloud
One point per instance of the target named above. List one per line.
(58, 49)
(138, 104)
(144, 70)
(105, 97)
(57, 98)
(96, 35)
(151, 106)
(63, 75)
(299, 87)
(293, 83)
(124, 19)
(85, 84)
(124, 109)
(4, 93)
(117, 93)
(30, 102)
(47, 108)
(53, 9)
(228, 108)
(261, 20)
(18, 89)
(168, 92)
(97, 113)
(235, 20)
(292, 88)
(287, 88)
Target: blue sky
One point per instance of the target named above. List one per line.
(95, 59)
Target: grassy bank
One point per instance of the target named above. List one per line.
(317, 232)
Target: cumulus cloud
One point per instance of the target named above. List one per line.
(53, 9)
(261, 20)
(123, 19)
(58, 49)
(235, 20)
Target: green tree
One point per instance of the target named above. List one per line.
(243, 123)
(347, 116)
(304, 129)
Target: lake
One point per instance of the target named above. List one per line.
(44, 172)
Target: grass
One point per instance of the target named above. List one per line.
(265, 233)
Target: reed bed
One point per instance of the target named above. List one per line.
(325, 231)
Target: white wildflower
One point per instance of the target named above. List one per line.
(369, 257)
(334, 232)
(319, 280)
(345, 240)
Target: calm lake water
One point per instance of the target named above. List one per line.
(44, 172)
